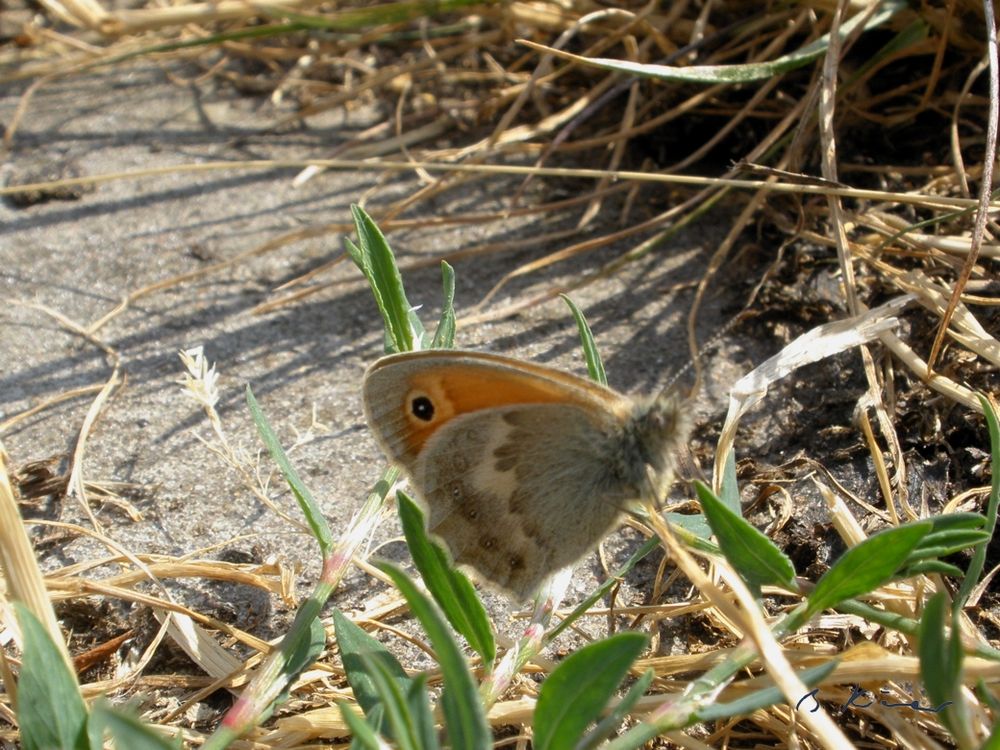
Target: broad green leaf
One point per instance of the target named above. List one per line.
(354, 644)
(610, 723)
(50, 711)
(595, 367)
(300, 647)
(755, 557)
(450, 588)
(314, 517)
(444, 335)
(464, 717)
(692, 523)
(867, 566)
(580, 687)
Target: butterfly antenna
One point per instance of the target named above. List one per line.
(695, 362)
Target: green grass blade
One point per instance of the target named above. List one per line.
(450, 588)
(865, 567)
(740, 73)
(444, 334)
(314, 517)
(755, 557)
(50, 711)
(360, 19)
(730, 490)
(595, 367)
(946, 543)
(419, 702)
(764, 698)
(581, 609)
(464, 717)
(355, 645)
(127, 731)
(362, 733)
(926, 567)
(399, 719)
(374, 257)
(979, 554)
(579, 689)
(940, 666)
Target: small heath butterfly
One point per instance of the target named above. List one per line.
(522, 468)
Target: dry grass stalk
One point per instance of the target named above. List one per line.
(908, 229)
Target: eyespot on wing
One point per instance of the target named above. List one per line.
(408, 397)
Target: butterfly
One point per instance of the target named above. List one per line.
(522, 468)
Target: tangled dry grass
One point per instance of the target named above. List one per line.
(877, 150)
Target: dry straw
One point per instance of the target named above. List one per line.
(925, 229)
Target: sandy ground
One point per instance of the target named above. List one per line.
(79, 258)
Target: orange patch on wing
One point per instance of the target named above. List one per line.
(463, 389)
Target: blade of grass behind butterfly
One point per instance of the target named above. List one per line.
(692, 530)
(444, 335)
(375, 259)
(315, 519)
(595, 367)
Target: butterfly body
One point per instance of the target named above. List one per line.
(522, 468)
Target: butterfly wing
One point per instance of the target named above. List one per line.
(511, 459)
(520, 492)
(408, 397)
